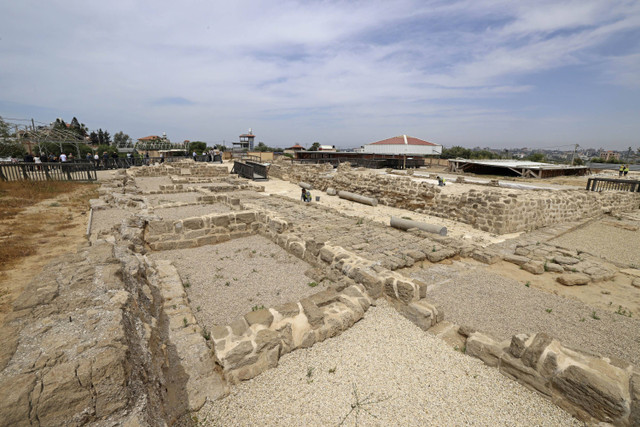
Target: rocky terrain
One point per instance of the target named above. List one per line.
(175, 301)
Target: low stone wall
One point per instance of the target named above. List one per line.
(494, 210)
(595, 389)
(254, 343)
(198, 231)
(183, 168)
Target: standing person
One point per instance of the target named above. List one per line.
(105, 159)
(88, 157)
(194, 156)
(626, 170)
(146, 158)
(621, 170)
(70, 157)
(161, 157)
(63, 157)
(96, 160)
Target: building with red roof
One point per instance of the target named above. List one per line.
(403, 145)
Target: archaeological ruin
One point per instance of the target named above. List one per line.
(195, 283)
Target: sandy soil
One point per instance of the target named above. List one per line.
(52, 228)
(382, 214)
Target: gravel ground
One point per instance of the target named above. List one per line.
(152, 183)
(503, 307)
(409, 377)
(228, 279)
(162, 199)
(181, 212)
(105, 219)
(605, 240)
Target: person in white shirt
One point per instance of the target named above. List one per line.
(63, 157)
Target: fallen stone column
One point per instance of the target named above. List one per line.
(305, 185)
(358, 198)
(406, 224)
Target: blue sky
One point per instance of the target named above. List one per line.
(471, 72)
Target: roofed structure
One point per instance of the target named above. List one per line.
(403, 145)
(514, 168)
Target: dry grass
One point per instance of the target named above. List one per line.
(20, 231)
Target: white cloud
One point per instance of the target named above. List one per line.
(375, 65)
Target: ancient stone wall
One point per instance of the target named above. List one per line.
(592, 388)
(184, 168)
(494, 210)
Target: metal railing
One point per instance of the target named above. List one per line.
(259, 169)
(611, 184)
(243, 170)
(48, 172)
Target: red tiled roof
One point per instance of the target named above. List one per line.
(397, 140)
(248, 134)
(296, 147)
(149, 138)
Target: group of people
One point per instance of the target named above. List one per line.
(624, 170)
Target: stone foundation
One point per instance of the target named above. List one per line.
(495, 210)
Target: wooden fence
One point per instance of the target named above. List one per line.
(48, 172)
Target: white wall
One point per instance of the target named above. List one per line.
(414, 150)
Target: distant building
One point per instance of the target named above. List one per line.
(403, 145)
(327, 148)
(608, 155)
(245, 143)
(296, 147)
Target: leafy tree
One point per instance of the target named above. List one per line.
(5, 131)
(454, 152)
(578, 161)
(197, 146)
(315, 146)
(536, 157)
(93, 138)
(121, 139)
(11, 149)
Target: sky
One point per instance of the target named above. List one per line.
(488, 73)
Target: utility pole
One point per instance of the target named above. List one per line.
(575, 148)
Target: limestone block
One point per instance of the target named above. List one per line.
(238, 355)
(440, 254)
(573, 279)
(266, 339)
(598, 392)
(313, 313)
(534, 267)
(513, 368)
(531, 355)
(246, 217)
(260, 317)
(518, 345)
(516, 259)
(220, 220)
(484, 348)
(565, 260)
(289, 309)
(159, 227)
(193, 223)
(239, 326)
(487, 257)
(553, 267)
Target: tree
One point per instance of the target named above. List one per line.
(5, 131)
(93, 138)
(315, 146)
(536, 157)
(220, 147)
(197, 146)
(121, 139)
